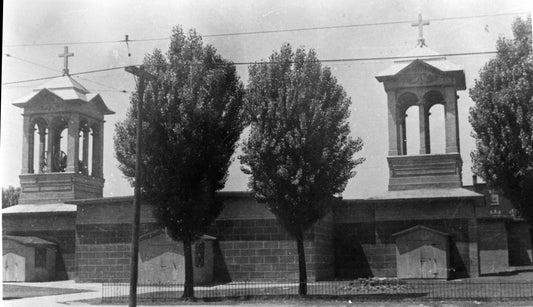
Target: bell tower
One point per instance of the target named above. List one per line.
(423, 78)
(62, 152)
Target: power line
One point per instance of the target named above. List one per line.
(259, 62)
(53, 69)
(265, 31)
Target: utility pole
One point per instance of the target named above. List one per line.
(141, 78)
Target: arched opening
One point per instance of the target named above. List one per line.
(437, 129)
(408, 124)
(412, 130)
(37, 149)
(93, 147)
(84, 153)
(58, 145)
(435, 121)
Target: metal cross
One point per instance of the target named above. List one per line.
(420, 24)
(65, 55)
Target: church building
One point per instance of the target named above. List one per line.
(427, 225)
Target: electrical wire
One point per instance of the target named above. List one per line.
(265, 31)
(268, 63)
(53, 69)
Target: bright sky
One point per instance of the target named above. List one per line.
(67, 22)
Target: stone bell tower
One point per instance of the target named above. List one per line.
(62, 152)
(423, 78)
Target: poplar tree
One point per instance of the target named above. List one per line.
(192, 120)
(299, 154)
(502, 119)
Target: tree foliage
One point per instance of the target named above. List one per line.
(502, 119)
(299, 152)
(10, 196)
(192, 120)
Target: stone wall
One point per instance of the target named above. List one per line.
(493, 253)
(519, 244)
(54, 227)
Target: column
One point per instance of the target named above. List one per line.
(50, 156)
(73, 142)
(94, 171)
(31, 150)
(85, 154)
(100, 146)
(394, 125)
(423, 113)
(403, 134)
(26, 127)
(42, 149)
(452, 121)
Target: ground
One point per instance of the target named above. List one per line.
(84, 294)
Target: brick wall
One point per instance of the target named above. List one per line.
(103, 251)
(58, 228)
(519, 244)
(260, 249)
(493, 254)
(368, 249)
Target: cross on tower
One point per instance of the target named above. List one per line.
(420, 24)
(65, 62)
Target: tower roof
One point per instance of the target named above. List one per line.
(424, 54)
(66, 89)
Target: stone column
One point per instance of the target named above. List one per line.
(394, 124)
(100, 161)
(73, 146)
(423, 114)
(42, 149)
(27, 130)
(94, 171)
(85, 153)
(452, 120)
(51, 140)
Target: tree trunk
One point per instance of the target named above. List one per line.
(302, 290)
(188, 288)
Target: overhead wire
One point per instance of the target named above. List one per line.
(269, 63)
(56, 70)
(265, 31)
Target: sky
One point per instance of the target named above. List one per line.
(91, 29)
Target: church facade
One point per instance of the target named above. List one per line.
(427, 225)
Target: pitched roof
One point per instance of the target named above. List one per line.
(67, 89)
(39, 208)
(29, 240)
(419, 227)
(425, 55)
(427, 193)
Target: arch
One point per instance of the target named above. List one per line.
(57, 144)
(437, 129)
(405, 102)
(83, 153)
(412, 132)
(94, 146)
(37, 145)
(434, 127)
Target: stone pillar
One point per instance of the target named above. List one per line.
(51, 140)
(473, 251)
(42, 149)
(31, 150)
(452, 120)
(100, 160)
(394, 125)
(85, 154)
(403, 134)
(73, 146)
(423, 113)
(27, 130)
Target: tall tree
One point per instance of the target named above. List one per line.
(192, 120)
(299, 152)
(10, 196)
(502, 119)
